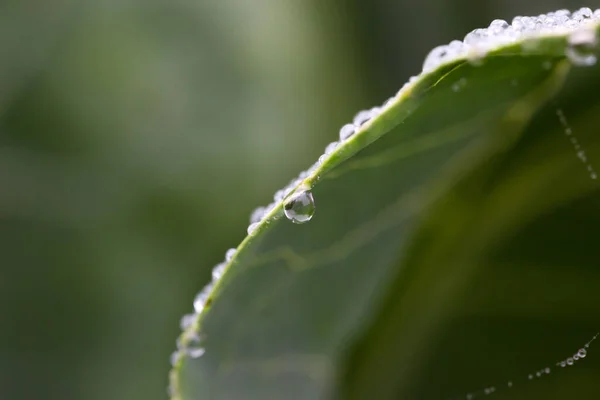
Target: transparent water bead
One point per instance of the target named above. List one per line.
(187, 321)
(582, 353)
(252, 228)
(194, 348)
(582, 14)
(200, 300)
(346, 131)
(174, 357)
(362, 117)
(218, 270)
(570, 361)
(257, 214)
(229, 254)
(278, 196)
(458, 85)
(196, 352)
(300, 207)
(582, 46)
(331, 147)
(489, 390)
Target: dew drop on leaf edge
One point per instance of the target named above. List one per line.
(346, 131)
(582, 45)
(300, 207)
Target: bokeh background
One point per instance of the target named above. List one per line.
(136, 136)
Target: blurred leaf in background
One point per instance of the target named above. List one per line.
(128, 131)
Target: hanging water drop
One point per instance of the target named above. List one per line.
(194, 348)
(582, 353)
(581, 47)
(299, 207)
(563, 364)
(570, 361)
(346, 131)
(196, 352)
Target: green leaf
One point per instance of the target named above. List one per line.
(451, 253)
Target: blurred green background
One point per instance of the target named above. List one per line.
(136, 136)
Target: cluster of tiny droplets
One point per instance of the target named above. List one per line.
(474, 46)
(190, 343)
(581, 353)
(479, 42)
(576, 145)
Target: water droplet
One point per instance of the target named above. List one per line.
(388, 102)
(300, 207)
(509, 384)
(289, 189)
(563, 364)
(229, 254)
(362, 118)
(530, 376)
(375, 111)
(547, 370)
(187, 321)
(194, 347)
(582, 353)
(252, 228)
(582, 13)
(201, 298)
(218, 270)
(581, 47)
(538, 374)
(346, 131)
(575, 357)
(174, 357)
(456, 86)
(570, 361)
(196, 352)
(258, 214)
(331, 147)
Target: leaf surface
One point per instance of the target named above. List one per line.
(451, 250)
